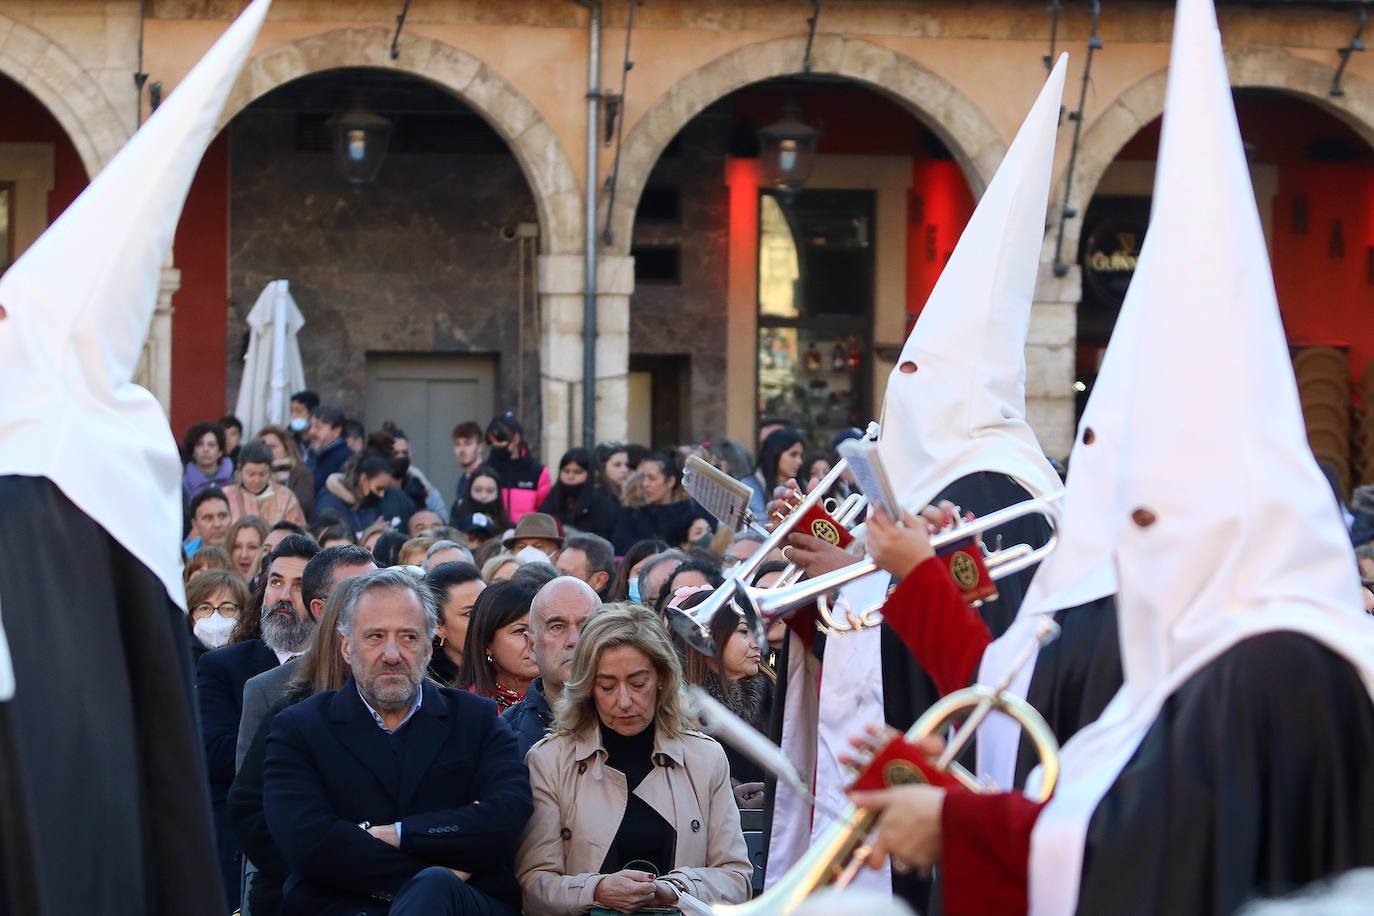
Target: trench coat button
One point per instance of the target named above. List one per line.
(696, 826)
(565, 833)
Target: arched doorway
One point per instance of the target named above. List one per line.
(895, 199)
(419, 293)
(1313, 175)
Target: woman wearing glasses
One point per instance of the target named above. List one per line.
(214, 598)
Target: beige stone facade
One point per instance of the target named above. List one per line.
(969, 72)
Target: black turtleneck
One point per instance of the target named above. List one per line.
(645, 835)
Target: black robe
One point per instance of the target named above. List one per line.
(1075, 677)
(103, 801)
(1254, 780)
(907, 690)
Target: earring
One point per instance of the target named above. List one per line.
(489, 658)
(442, 639)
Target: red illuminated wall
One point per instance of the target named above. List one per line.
(940, 206)
(201, 252)
(27, 121)
(1325, 288)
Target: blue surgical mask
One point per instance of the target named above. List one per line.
(634, 591)
(298, 424)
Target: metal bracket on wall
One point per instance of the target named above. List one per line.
(400, 24)
(614, 107)
(1356, 44)
(1054, 32)
(1065, 211)
(811, 34)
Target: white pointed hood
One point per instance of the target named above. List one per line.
(1082, 567)
(963, 409)
(1224, 526)
(79, 304)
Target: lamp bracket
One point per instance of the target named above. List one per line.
(811, 34)
(1356, 44)
(400, 24)
(1066, 212)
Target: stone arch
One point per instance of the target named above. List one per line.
(48, 72)
(542, 159)
(1249, 68)
(960, 125)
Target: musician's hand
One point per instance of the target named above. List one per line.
(898, 548)
(786, 495)
(462, 875)
(867, 744)
(870, 743)
(815, 555)
(749, 795)
(908, 827)
(625, 891)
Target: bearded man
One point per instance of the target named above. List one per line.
(221, 674)
(392, 795)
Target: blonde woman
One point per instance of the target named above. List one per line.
(631, 807)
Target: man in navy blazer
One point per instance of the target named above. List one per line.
(391, 795)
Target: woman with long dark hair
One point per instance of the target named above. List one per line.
(577, 499)
(497, 658)
(780, 458)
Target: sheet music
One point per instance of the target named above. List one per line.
(719, 494)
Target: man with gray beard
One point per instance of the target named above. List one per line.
(221, 674)
(392, 795)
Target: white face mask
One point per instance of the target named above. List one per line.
(298, 424)
(214, 630)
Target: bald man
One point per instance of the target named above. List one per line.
(556, 618)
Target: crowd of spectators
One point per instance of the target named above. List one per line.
(411, 703)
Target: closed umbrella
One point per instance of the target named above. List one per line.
(272, 367)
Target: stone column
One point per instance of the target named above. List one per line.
(1050, 358)
(155, 366)
(560, 304)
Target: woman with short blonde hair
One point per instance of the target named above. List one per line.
(632, 808)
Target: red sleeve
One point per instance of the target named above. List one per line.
(986, 851)
(933, 620)
(803, 622)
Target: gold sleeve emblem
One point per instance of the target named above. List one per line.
(964, 569)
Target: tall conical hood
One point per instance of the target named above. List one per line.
(1082, 567)
(1224, 511)
(956, 402)
(79, 304)
(1224, 527)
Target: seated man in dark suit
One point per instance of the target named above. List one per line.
(392, 795)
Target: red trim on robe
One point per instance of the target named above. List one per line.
(946, 635)
(986, 852)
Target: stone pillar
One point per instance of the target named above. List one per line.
(1050, 358)
(560, 304)
(155, 366)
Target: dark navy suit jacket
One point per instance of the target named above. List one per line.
(452, 776)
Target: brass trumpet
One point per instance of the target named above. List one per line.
(840, 852)
(694, 625)
(762, 607)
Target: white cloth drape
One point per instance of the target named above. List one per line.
(272, 367)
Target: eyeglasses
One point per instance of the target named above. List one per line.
(227, 609)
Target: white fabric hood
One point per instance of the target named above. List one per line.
(964, 408)
(1224, 527)
(1082, 567)
(80, 302)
